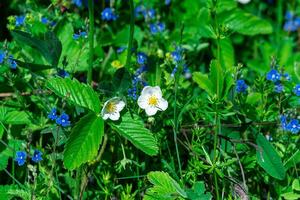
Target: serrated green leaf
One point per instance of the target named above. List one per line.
(84, 141)
(77, 93)
(133, 129)
(245, 23)
(4, 191)
(268, 158)
(50, 47)
(17, 117)
(164, 187)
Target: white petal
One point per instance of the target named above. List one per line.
(143, 102)
(157, 92)
(151, 111)
(120, 105)
(162, 104)
(114, 116)
(105, 116)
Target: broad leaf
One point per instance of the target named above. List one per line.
(245, 23)
(268, 158)
(33, 67)
(50, 47)
(164, 187)
(14, 117)
(84, 141)
(133, 129)
(77, 93)
(203, 81)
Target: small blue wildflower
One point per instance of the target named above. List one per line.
(278, 88)
(12, 63)
(133, 93)
(187, 72)
(167, 2)
(20, 20)
(297, 90)
(78, 3)
(63, 120)
(287, 76)
(141, 58)
(297, 22)
(283, 121)
(290, 26)
(21, 157)
(2, 56)
(108, 15)
(149, 13)
(176, 55)
(37, 156)
(83, 34)
(161, 26)
(157, 27)
(241, 86)
(44, 20)
(273, 75)
(76, 36)
(293, 126)
(121, 49)
(79, 35)
(174, 71)
(63, 73)
(289, 15)
(140, 70)
(138, 10)
(153, 29)
(52, 114)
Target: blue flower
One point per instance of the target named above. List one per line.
(141, 58)
(63, 120)
(290, 26)
(149, 13)
(21, 157)
(2, 56)
(297, 90)
(153, 28)
(241, 86)
(121, 49)
(176, 55)
(278, 88)
(12, 63)
(52, 114)
(287, 76)
(20, 20)
(283, 121)
(79, 35)
(293, 126)
(78, 3)
(167, 2)
(138, 10)
(133, 93)
(273, 75)
(289, 15)
(63, 73)
(44, 20)
(108, 14)
(157, 27)
(37, 156)
(174, 71)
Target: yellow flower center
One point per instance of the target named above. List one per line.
(153, 100)
(111, 107)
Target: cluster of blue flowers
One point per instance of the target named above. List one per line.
(276, 77)
(108, 14)
(292, 22)
(177, 57)
(297, 90)
(142, 61)
(157, 27)
(62, 73)
(7, 59)
(81, 34)
(62, 120)
(241, 86)
(21, 157)
(292, 126)
(46, 21)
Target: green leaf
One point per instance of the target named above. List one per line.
(268, 158)
(217, 78)
(77, 93)
(293, 160)
(164, 187)
(50, 47)
(227, 53)
(33, 67)
(4, 191)
(245, 23)
(133, 129)
(296, 185)
(198, 192)
(1, 131)
(84, 141)
(203, 81)
(14, 117)
(122, 80)
(291, 196)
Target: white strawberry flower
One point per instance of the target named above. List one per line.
(151, 100)
(112, 108)
(243, 1)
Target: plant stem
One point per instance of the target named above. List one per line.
(91, 41)
(217, 132)
(130, 41)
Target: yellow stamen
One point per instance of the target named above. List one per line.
(111, 107)
(153, 101)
